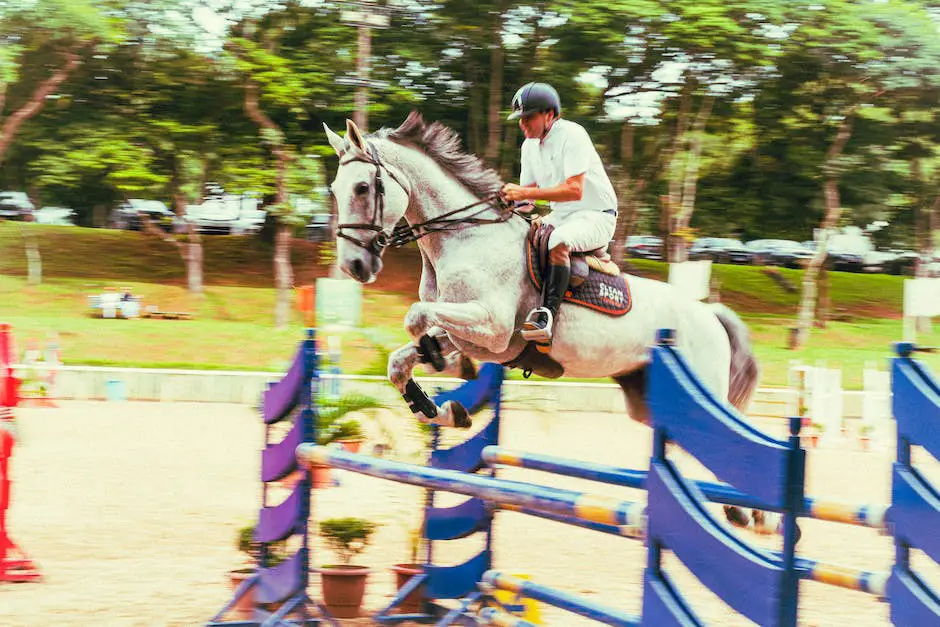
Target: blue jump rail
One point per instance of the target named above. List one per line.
(868, 515)
(581, 505)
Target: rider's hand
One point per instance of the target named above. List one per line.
(513, 192)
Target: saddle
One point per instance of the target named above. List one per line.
(596, 281)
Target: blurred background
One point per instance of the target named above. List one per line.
(737, 131)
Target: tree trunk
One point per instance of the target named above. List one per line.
(191, 251)
(674, 250)
(36, 102)
(684, 206)
(629, 191)
(33, 262)
(830, 220)
(824, 302)
(283, 272)
(496, 90)
(507, 161)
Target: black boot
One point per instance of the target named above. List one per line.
(540, 322)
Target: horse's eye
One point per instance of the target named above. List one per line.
(361, 189)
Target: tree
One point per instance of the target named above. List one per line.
(856, 58)
(44, 42)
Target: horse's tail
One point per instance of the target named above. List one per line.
(744, 368)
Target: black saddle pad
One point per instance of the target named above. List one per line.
(601, 292)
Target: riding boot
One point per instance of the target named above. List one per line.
(540, 321)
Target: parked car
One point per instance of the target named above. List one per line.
(61, 216)
(720, 250)
(318, 229)
(128, 214)
(16, 206)
(215, 216)
(789, 254)
(249, 222)
(845, 257)
(764, 249)
(898, 261)
(645, 247)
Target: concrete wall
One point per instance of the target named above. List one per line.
(100, 383)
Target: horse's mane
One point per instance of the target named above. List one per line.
(442, 144)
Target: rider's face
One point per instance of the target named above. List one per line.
(534, 125)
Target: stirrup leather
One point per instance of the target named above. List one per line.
(532, 331)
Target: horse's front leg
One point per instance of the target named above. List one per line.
(433, 347)
(485, 325)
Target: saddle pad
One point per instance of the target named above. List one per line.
(601, 292)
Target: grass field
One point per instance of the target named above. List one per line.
(232, 326)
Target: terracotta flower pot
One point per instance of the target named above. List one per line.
(343, 589)
(244, 607)
(411, 604)
(351, 446)
(320, 477)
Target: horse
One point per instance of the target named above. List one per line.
(414, 183)
(475, 291)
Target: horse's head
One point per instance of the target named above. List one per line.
(370, 200)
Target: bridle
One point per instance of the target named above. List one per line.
(404, 233)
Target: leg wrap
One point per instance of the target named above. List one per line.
(418, 400)
(429, 350)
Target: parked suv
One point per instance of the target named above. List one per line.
(16, 206)
(645, 247)
(127, 215)
(720, 250)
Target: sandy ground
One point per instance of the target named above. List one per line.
(132, 509)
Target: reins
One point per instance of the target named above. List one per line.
(404, 233)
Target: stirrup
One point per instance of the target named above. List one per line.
(532, 331)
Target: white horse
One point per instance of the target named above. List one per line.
(475, 291)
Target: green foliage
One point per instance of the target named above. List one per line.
(347, 537)
(245, 542)
(331, 426)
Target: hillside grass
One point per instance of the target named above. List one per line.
(232, 326)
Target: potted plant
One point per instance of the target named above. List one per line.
(404, 572)
(344, 584)
(245, 543)
(348, 434)
(335, 425)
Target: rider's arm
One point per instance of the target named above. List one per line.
(571, 189)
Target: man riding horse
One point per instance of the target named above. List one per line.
(560, 165)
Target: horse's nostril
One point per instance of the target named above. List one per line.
(358, 269)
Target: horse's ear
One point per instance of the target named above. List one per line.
(414, 120)
(335, 141)
(354, 136)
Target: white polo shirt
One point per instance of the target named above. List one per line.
(567, 151)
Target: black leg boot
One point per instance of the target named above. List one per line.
(540, 322)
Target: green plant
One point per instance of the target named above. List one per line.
(330, 427)
(246, 543)
(818, 427)
(865, 430)
(347, 430)
(347, 537)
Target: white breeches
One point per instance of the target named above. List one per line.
(582, 230)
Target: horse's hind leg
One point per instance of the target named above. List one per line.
(433, 349)
(633, 385)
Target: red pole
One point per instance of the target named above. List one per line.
(8, 383)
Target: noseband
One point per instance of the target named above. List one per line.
(380, 241)
(403, 233)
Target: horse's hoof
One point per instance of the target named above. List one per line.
(736, 517)
(459, 416)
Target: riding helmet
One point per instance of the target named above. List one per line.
(535, 97)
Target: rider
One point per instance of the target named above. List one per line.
(560, 165)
